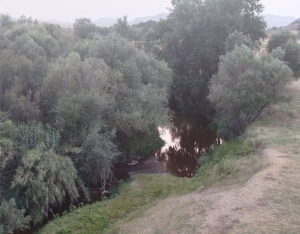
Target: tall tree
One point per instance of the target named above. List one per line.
(122, 27)
(199, 30)
(84, 28)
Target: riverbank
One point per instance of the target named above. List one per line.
(227, 165)
(244, 187)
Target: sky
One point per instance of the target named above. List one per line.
(69, 10)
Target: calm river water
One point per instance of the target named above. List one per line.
(187, 139)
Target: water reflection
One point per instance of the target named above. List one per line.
(188, 138)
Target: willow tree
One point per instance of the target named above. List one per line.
(244, 85)
(143, 93)
(43, 181)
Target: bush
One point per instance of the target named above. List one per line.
(288, 42)
(279, 39)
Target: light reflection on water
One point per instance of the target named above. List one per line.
(186, 140)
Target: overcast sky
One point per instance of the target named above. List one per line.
(69, 10)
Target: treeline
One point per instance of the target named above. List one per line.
(73, 102)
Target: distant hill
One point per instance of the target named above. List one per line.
(278, 21)
(107, 22)
(145, 19)
(294, 25)
(272, 21)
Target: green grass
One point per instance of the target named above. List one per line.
(224, 164)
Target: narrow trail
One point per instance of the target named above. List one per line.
(269, 202)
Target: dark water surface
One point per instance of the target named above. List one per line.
(187, 138)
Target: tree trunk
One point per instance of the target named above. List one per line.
(259, 112)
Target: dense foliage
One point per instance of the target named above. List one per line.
(192, 38)
(196, 39)
(72, 103)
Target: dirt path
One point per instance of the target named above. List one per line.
(241, 209)
(269, 202)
